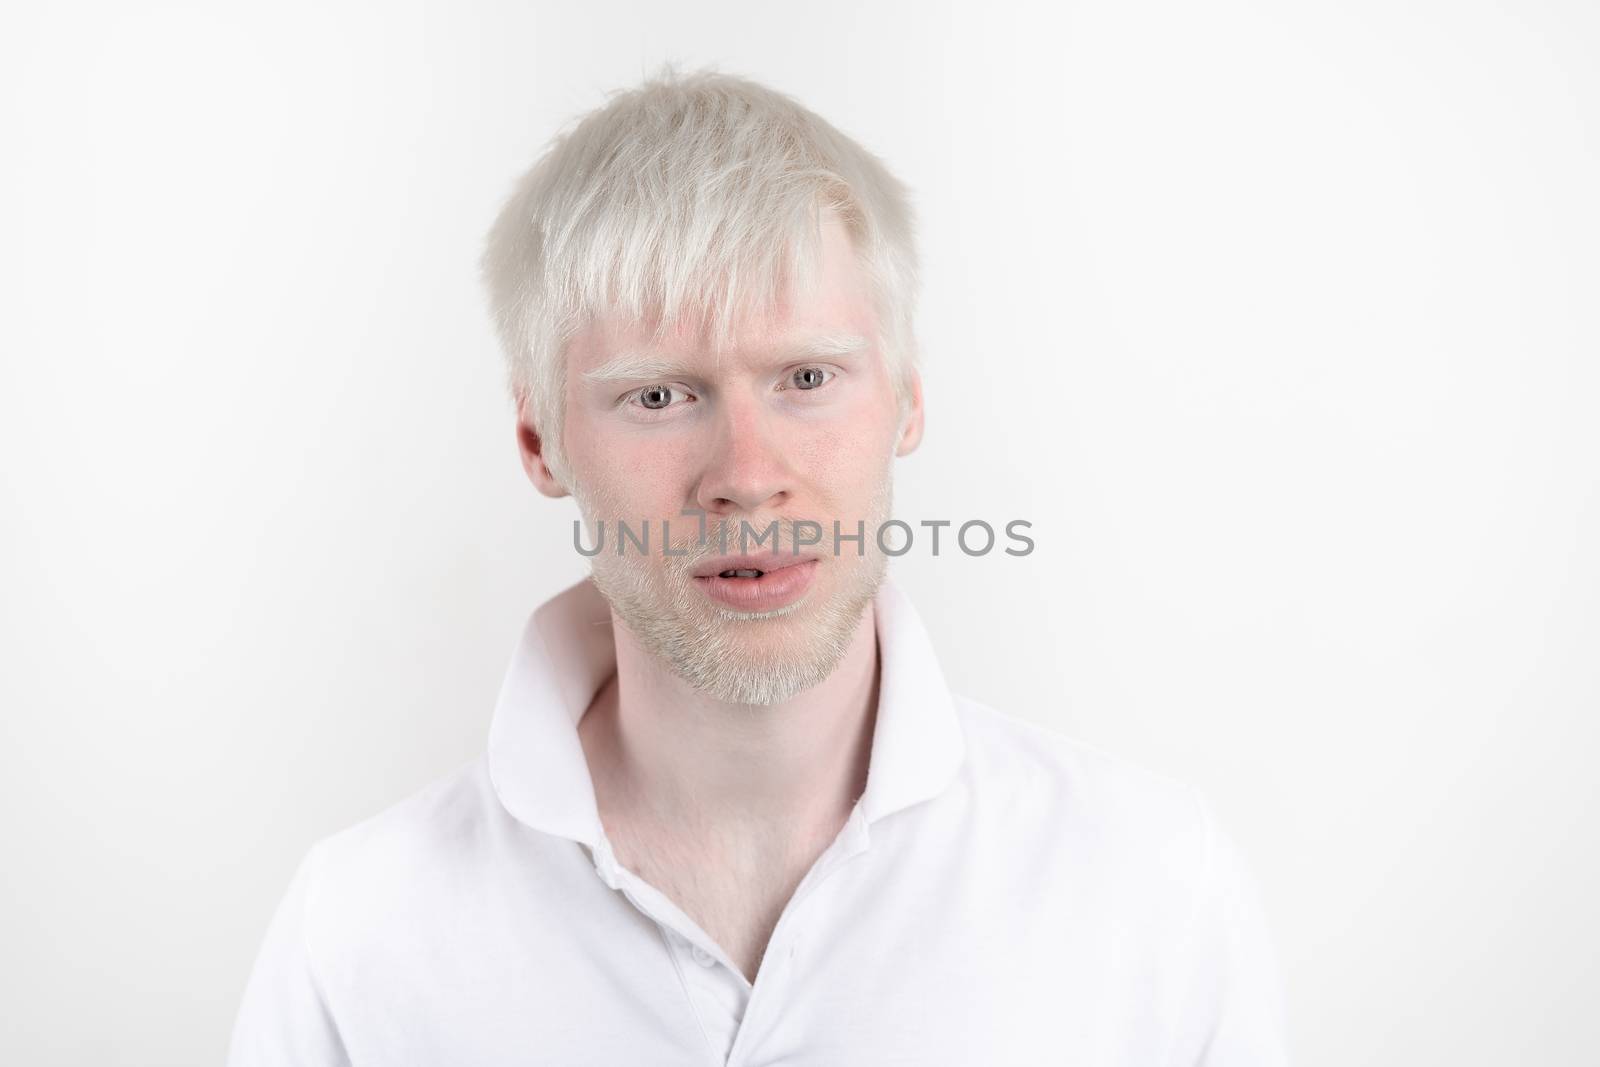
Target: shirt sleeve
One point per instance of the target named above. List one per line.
(284, 1019)
(1246, 1013)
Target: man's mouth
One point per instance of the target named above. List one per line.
(751, 564)
(757, 582)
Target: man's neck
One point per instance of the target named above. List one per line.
(663, 753)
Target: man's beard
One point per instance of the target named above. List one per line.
(735, 656)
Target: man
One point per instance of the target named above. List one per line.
(729, 812)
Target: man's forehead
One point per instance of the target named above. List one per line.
(831, 312)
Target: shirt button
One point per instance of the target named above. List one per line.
(701, 956)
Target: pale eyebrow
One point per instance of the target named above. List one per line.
(825, 345)
(647, 366)
(634, 366)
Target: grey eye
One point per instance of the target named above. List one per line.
(809, 377)
(655, 397)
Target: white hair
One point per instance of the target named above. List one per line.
(694, 197)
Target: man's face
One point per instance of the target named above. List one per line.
(788, 426)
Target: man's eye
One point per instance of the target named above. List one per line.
(656, 397)
(810, 377)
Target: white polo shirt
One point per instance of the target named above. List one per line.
(999, 895)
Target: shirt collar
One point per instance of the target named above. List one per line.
(536, 761)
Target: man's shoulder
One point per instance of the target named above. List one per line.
(372, 868)
(1075, 791)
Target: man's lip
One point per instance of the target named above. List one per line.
(764, 562)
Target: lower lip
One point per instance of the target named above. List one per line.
(773, 590)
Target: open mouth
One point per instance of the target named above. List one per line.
(751, 565)
(781, 582)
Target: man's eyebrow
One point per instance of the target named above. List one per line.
(634, 366)
(642, 366)
(824, 345)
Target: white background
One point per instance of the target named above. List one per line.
(1276, 320)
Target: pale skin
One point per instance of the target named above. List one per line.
(725, 807)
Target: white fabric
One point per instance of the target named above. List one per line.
(999, 895)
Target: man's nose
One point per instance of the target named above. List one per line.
(748, 467)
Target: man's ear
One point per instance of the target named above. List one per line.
(911, 421)
(531, 446)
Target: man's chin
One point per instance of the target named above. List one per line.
(737, 655)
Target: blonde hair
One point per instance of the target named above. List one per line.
(694, 196)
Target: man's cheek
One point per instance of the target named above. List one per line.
(656, 471)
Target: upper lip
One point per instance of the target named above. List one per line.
(759, 561)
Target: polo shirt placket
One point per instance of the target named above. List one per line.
(724, 1002)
